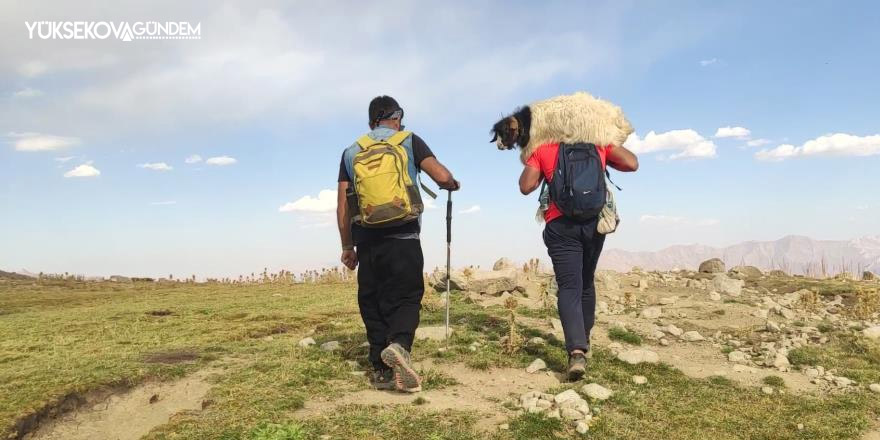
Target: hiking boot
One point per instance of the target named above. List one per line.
(577, 365)
(405, 377)
(382, 379)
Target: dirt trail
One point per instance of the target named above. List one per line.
(131, 415)
(480, 391)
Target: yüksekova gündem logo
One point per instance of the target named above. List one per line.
(123, 30)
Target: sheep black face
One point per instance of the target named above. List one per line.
(513, 130)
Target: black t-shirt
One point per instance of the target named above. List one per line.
(360, 234)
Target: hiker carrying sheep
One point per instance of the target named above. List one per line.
(379, 216)
(566, 142)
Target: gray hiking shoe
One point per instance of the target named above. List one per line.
(577, 366)
(382, 379)
(405, 377)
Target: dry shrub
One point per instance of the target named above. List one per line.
(810, 301)
(867, 303)
(514, 339)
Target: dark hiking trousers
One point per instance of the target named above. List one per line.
(574, 249)
(390, 290)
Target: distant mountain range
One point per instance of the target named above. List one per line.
(793, 254)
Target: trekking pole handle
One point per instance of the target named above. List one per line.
(449, 217)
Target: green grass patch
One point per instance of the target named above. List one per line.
(773, 381)
(624, 335)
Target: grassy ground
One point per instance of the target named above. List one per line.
(71, 338)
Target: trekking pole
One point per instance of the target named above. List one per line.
(448, 259)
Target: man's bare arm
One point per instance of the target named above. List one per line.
(439, 174)
(529, 180)
(622, 159)
(343, 217)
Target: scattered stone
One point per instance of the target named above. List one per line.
(714, 265)
(566, 396)
(554, 414)
(692, 336)
(781, 362)
(664, 342)
(570, 414)
(800, 426)
(875, 387)
(714, 296)
(767, 390)
(653, 312)
(668, 300)
(536, 366)
(673, 330)
(842, 382)
(306, 342)
(606, 280)
(812, 373)
(537, 340)
(638, 356)
(872, 332)
(773, 327)
(639, 380)
(738, 357)
(729, 286)
(433, 333)
(330, 346)
(582, 427)
(596, 391)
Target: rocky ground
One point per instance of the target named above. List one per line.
(758, 329)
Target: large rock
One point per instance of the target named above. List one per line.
(652, 312)
(494, 282)
(868, 275)
(724, 284)
(458, 281)
(748, 272)
(715, 265)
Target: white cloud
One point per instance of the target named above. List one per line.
(63, 159)
(687, 144)
(837, 144)
(32, 68)
(163, 203)
(27, 92)
(156, 166)
(195, 158)
(862, 208)
(676, 220)
(734, 132)
(42, 142)
(325, 202)
(84, 170)
(473, 209)
(758, 142)
(708, 62)
(221, 160)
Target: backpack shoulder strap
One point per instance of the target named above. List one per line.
(366, 141)
(398, 138)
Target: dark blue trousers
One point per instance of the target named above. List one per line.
(574, 249)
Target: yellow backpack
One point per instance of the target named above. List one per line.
(384, 184)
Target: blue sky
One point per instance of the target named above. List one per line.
(283, 87)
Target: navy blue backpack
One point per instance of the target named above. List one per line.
(578, 185)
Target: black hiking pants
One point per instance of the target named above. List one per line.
(390, 290)
(574, 249)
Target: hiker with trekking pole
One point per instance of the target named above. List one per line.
(378, 212)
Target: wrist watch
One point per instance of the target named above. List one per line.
(348, 247)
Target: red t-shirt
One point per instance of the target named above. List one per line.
(545, 158)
